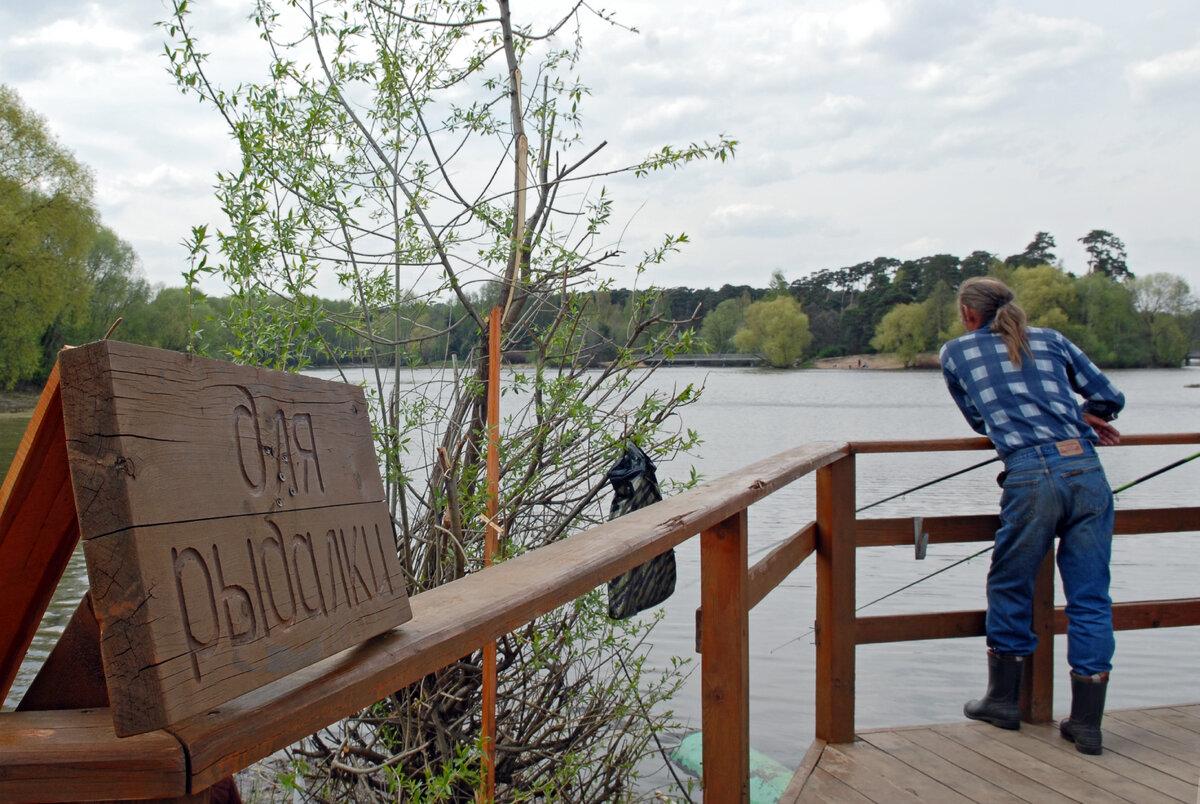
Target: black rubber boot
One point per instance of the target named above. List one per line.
(1001, 705)
(1087, 710)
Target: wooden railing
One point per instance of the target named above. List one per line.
(46, 755)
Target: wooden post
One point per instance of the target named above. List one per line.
(1037, 693)
(725, 662)
(835, 601)
(491, 547)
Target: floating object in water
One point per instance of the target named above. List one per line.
(768, 778)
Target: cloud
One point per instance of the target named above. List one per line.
(1168, 73)
(760, 220)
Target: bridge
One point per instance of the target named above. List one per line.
(715, 360)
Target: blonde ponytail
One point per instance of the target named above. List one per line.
(993, 300)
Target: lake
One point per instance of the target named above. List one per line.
(745, 415)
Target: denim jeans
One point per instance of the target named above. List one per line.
(1047, 493)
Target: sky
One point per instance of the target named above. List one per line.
(883, 128)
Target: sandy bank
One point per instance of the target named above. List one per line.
(884, 361)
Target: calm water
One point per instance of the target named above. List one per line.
(746, 415)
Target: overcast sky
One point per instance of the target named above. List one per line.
(894, 128)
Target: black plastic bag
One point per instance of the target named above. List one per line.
(646, 586)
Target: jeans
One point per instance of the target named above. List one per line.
(1047, 493)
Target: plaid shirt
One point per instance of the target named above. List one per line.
(1034, 404)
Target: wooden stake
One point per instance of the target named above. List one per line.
(491, 547)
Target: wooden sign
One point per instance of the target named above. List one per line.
(234, 525)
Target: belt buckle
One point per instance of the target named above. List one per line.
(1069, 448)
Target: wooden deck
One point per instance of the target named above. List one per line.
(1150, 755)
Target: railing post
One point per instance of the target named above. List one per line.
(725, 662)
(1037, 694)
(835, 601)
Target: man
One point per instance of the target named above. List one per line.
(1016, 384)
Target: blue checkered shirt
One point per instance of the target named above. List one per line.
(1018, 407)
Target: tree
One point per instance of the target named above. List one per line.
(978, 263)
(115, 290)
(378, 150)
(722, 323)
(776, 329)
(1106, 254)
(903, 331)
(47, 225)
(1037, 252)
(1164, 301)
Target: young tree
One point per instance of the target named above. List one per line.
(379, 150)
(47, 224)
(776, 329)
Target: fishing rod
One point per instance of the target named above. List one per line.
(924, 578)
(929, 483)
(1157, 472)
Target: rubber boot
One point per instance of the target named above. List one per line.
(1087, 710)
(1001, 705)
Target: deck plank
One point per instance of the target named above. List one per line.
(881, 777)
(987, 768)
(1027, 761)
(1044, 740)
(1131, 724)
(1180, 718)
(825, 788)
(1151, 756)
(897, 744)
(1153, 780)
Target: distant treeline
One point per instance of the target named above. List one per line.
(906, 307)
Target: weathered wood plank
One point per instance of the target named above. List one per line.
(880, 777)
(835, 630)
(234, 522)
(943, 744)
(1125, 767)
(302, 586)
(725, 663)
(1121, 740)
(808, 764)
(1145, 727)
(898, 745)
(38, 529)
(950, 624)
(898, 531)
(775, 566)
(1181, 718)
(157, 437)
(74, 755)
(984, 740)
(823, 787)
(912, 627)
(1097, 771)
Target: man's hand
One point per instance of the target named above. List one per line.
(1109, 437)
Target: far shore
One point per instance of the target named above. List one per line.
(886, 361)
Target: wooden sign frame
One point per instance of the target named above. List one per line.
(234, 525)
